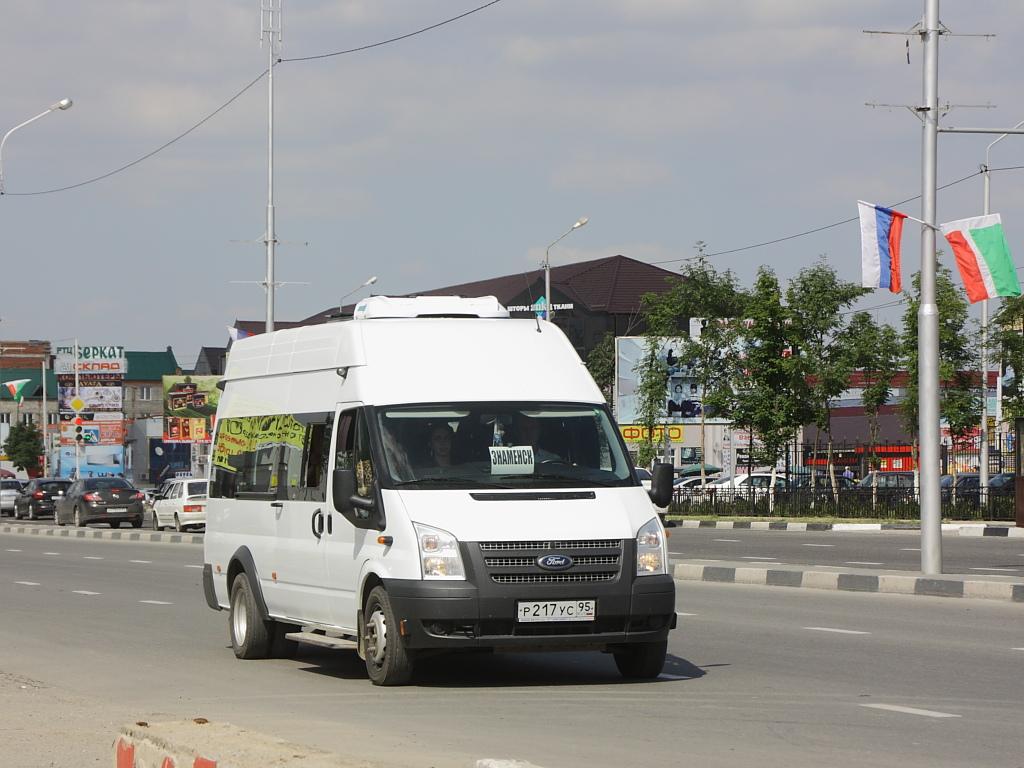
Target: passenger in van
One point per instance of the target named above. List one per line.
(528, 431)
(440, 445)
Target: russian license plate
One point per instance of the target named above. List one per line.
(556, 610)
(115, 510)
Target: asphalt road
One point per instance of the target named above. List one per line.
(896, 550)
(757, 675)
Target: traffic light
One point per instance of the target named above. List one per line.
(79, 430)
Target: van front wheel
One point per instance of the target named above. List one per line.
(642, 661)
(387, 660)
(249, 636)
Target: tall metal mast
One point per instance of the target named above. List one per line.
(270, 22)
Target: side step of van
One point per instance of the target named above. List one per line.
(325, 641)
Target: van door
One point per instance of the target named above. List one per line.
(301, 484)
(346, 541)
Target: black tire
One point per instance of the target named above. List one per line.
(156, 523)
(79, 519)
(249, 636)
(137, 522)
(15, 514)
(31, 513)
(177, 524)
(280, 646)
(642, 661)
(115, 524)
(387, 660)
(56, 518)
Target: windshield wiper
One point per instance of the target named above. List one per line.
(459, 482)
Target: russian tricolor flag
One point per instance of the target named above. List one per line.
(880, 232)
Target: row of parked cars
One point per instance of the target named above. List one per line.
(179, 503)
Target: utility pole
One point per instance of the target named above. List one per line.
(929, 29)
(270, 12)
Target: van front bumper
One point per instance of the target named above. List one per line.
(452, 615)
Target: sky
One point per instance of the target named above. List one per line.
(136, 217)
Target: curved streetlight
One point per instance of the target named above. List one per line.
(547, 267)
(62, 105)
(983, 468)
(371, 281)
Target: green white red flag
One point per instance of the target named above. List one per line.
(983, 257)
(17, 389)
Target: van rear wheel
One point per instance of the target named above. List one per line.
(387, 660)
(249, 636)
(642, 661)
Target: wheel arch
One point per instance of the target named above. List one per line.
(242, 562)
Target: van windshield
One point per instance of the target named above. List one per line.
(502, 445)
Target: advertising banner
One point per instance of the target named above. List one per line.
(190, 408)
(682, 403)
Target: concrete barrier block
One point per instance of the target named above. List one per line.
(689, 572)
(896, 584)
(990, 590)
(751, 576)
(820, 580)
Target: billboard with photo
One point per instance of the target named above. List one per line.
(190, 408)
(682, 404)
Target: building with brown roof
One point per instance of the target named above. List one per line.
(588, 299)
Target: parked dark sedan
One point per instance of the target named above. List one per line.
(39, 497)
(100, 500)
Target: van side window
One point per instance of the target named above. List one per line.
(353, 450)
(268, 457)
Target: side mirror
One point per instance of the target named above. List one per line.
(661, 485)
(357, 509)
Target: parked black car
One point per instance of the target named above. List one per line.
(100, 500)
(39, 497)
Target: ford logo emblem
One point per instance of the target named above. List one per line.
(554, 562)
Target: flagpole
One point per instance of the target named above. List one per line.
(42, 372)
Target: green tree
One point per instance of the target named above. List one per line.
(713, 299)
(876, 351)
(959, 401)
(773, 398)
(24, 446)
(816, 300)
(601, 364)
(1007, 331)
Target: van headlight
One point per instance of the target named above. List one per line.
(439, 553)
(651, 552)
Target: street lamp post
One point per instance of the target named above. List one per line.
(547, 266)
(62, 104)
(983, 468)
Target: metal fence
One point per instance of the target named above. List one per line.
(804, 486)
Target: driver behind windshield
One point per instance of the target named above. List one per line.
(528, 431)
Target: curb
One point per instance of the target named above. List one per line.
(97, 533)
(962, 529)
(202, 744)
(888, 582)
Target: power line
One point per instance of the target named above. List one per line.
(250, 85)
(396, 39)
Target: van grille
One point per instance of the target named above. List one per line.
(515, 562)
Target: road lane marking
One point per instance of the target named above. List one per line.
(84, 592)
(1004, 570)
(685, 614)
(193, 566)
(733, 540)
(840, 631)
(140, 561)
(860, 562)
(1017, 649)
(663, 676)
(911, 549)
(28, 583)
(91, 557)
(14, 550)
(819, 545)
(155, 602)
(909, 710)
(755, 557)
(51, 553)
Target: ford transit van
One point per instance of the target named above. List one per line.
(430, 475)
